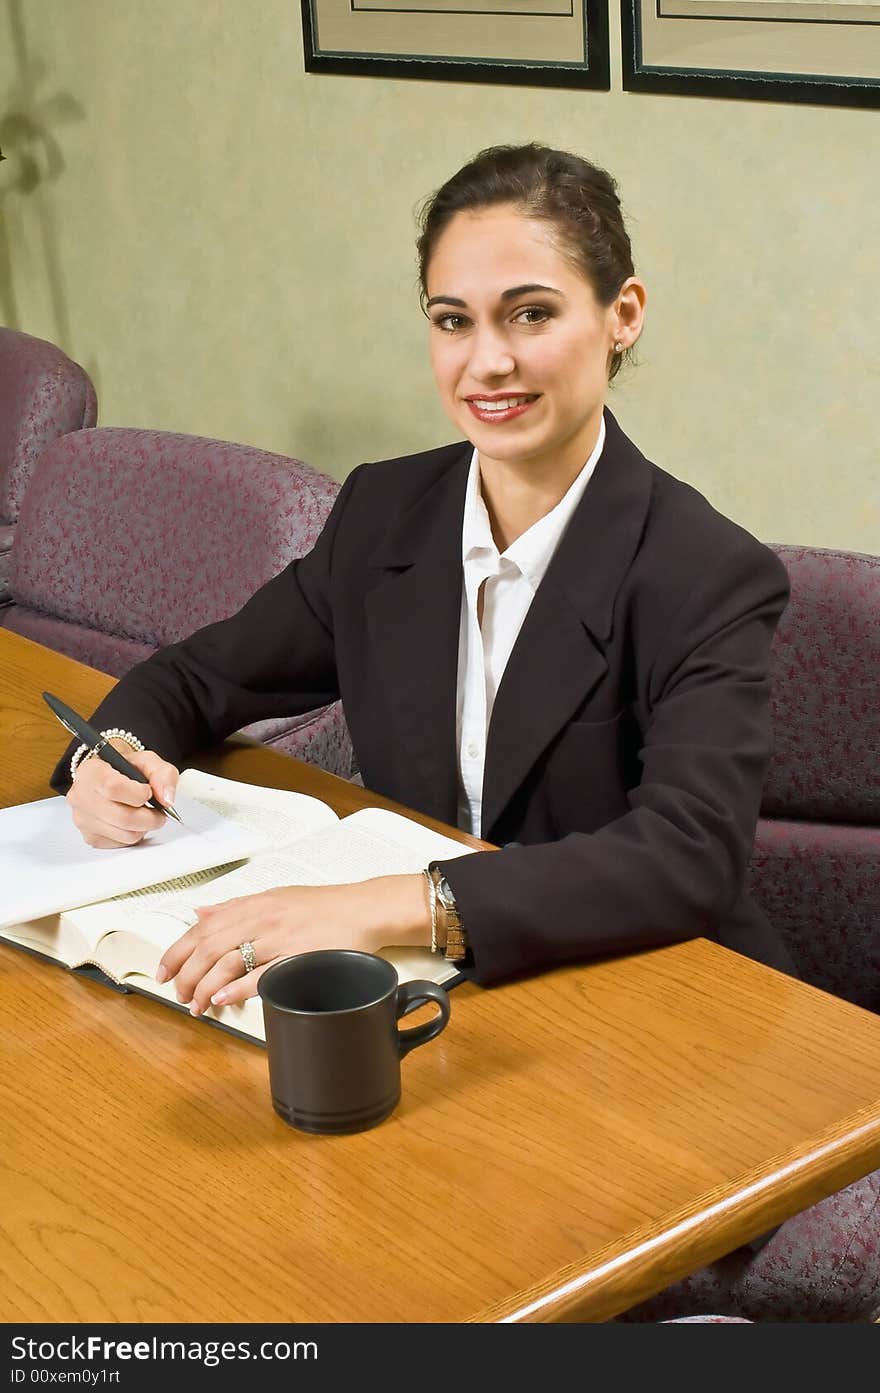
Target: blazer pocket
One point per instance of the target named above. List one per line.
(593, 765)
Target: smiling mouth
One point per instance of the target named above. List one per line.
(497, 409)
(501, 403)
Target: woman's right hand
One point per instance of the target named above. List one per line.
(109, 809)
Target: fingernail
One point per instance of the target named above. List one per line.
(161, 973)
(219, 999)
(195, 1010)
(168, 797)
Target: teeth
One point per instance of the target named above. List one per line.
(504, 404)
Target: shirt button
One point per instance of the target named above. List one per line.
(473, 750)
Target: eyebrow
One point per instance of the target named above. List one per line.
(512, 294)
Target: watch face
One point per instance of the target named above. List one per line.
(444, 891)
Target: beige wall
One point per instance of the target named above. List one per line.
(226, 244)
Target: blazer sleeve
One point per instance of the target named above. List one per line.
(674, 864)
(274, 657)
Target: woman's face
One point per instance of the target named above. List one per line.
(519, 344)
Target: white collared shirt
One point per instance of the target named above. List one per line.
(510, 580)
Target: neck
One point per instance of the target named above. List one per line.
(518, 493)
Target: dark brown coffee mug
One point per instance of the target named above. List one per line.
(333, 1040)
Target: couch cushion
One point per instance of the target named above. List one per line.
(43, 394)
(111, 653)
(151, 535)
(824, 666)
(7, 532)
(819, 884)
(321, 737)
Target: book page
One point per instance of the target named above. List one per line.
(368, 843)
(157, 915)
(53, 936)
(277, 815)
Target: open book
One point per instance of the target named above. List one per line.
(119, 910)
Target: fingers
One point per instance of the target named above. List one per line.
(206, 959)
(103, 822)
(226, 983)
(108, 808)
(240, 988)
(99, 833)
(163, 776)
(210, 970)
(182, 950)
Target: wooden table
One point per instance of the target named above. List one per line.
(569, 1145)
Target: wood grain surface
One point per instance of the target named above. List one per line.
(569, 1145)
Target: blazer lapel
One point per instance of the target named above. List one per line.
(413, 614)
(559, 655)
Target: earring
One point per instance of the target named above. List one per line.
(618, 348)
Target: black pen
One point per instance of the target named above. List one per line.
(95, 742)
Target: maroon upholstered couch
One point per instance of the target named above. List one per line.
(816, 863)
(816, 871)
(43, 394)
(128, 540)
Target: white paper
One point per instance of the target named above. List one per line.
(45, 866)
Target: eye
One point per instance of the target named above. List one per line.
(532, 314)
(450, 323)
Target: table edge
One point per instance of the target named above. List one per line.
(614, 1279)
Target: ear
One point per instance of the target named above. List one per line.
(628, 312)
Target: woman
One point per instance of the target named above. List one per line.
(535, 633)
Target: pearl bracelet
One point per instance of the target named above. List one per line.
(83, 752)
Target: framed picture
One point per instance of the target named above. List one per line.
(770, 50)
(536, 43)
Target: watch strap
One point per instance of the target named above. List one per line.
(450, 935)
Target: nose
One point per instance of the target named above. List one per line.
(491, 356)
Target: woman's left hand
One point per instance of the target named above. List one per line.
(210, 969)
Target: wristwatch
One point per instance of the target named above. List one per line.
(452, 939)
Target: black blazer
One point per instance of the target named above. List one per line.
(630, 732)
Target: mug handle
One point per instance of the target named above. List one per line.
(412, 994)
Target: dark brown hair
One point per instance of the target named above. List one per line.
(578, 198)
